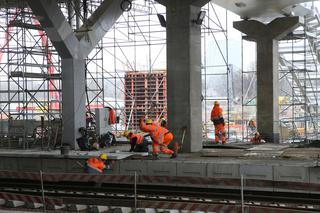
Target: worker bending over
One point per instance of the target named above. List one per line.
(97, 165)
(137, 141)
(160, 137)
(218, 121)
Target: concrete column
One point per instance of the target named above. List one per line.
(73, 98)
(267, 37)
(184, 72)
(73, 48)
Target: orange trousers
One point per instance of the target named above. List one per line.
(164, 146)
(219, 133)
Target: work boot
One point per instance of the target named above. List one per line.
(174, 155)
(155, 157)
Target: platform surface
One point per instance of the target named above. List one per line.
(268, 162)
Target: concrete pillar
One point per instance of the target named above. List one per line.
(267, 37)
(73, 48)
(184, 72)
(73, 97)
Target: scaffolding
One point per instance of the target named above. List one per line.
(298, 82)
(31, 77)
(299, 62)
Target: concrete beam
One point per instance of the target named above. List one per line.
(72, 50)
(198, 3)
(276, 29)
(280, 27)
(57, 28)
(267, 37)
(98, 24)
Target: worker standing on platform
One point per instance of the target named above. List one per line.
(97, 165)
(218, 121)
(160, 137)
(137, 141)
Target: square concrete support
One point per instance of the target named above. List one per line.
(267, 37)
(73, 99)
(184, 72)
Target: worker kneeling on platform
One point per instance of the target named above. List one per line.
(97, 165)
(218, 121)
(137, 141)
(160, 137)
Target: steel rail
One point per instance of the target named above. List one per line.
(56, 189)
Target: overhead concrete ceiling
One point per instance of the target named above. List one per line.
(263, 10)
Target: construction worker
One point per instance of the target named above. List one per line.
(160, 137)
(256, 138)
(218, 121)
(97, 165)
(252, 125)
(137, 141)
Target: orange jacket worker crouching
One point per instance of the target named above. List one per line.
(218, 121)
(96, 165)
(160, 137)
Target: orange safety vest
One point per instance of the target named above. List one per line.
(112, 116)
(156, 131)
(138, 136)
(96, 163)
(216, 113)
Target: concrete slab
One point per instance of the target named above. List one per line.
(115, 210)
(54, 165)
(29, 164)
(224, 153)
(291, 174)
(260, 172)
(98, 209)
(130, 166)
(115, 168)
(55, 207)
(76, 207)
(167, 168)
(269, 147)
(34, 205)
(314, 174)
(298, 153)
(14, 203)
(190, 169)
(223, 170)
(126, 210)
(9, 163)
(75, 165)
(141, 211)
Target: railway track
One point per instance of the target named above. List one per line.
(157, 197)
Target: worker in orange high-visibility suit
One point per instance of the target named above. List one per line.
(137, 141)
(218, 121)
(160, 137)
(96, 165)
